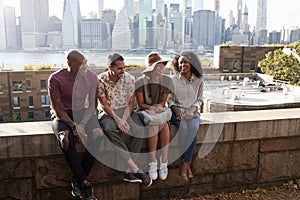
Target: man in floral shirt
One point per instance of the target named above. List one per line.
(120, 124)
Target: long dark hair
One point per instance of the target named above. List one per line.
(196, 68)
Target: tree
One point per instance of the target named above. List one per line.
(281, 66)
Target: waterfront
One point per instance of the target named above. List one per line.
(16, 60)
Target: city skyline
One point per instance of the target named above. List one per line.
(278, 13)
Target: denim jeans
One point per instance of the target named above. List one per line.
(187, 135)
(80, 166)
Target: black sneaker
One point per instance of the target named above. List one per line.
(87, 191)
(130, 177)
(76, 190)
(146, 180)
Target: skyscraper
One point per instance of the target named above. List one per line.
(71, 24)
(145, 14)
(100, 8)
(261, 22)
(121, 35)
(2, 28)
(261, 19)
(160, 7)
(198, 5)
(129, 8)
(34, 22)
(10, 27)
(204, 28)
(239, 13)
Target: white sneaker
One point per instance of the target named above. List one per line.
(153, 170)
(163, 169)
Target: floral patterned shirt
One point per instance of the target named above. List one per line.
(119, 93)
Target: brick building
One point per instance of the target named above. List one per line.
(240, 59)
(23, 95)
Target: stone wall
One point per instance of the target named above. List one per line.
(235, 151)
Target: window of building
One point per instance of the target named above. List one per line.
(45, 100)
(30, 101)
(1, 118)
(234, 66)
(226, 64)
(17, 86)
(16, 116)
(16, 102)
(28, 86)
(43, 85)
(252, 65)
(47, 114)
(30, 115)
(1, 88)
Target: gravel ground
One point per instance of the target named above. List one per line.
(288, 191)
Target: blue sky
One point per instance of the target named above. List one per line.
(280, 12)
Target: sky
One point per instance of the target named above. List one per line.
(281, 13)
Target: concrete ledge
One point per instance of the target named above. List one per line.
(235, 150)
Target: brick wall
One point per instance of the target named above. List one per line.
(244, 150)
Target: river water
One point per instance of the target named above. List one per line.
(18, 59)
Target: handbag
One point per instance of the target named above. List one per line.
(156, 119)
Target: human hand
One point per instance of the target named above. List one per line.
(123, 126)
(80, 131)
(97, 132)
(179, 115)
(156, 109)
(189, 115)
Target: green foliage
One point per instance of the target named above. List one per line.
(281, 66)
(37, 67)
(130, 66)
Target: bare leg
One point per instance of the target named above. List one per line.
(152, 142)
(165, 140)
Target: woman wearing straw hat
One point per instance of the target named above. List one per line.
(152, 92)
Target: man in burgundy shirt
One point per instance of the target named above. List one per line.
(72, 94)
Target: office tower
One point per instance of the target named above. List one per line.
(231, 19)
(34, 22)
(216, 7)
(274, 37)
(174, 6)
(108, 20)
(239, 13)
(198, 5)
(100, 8)
(145, 14)
(71, 24)
(10, 27)
(121, 35)
(129, 8)
(261, 19)
(187, 4)
(204, 28)
(187, 19)
(2, 28)
(245, 25)
(261, 22)
(176, 23)
(90, 33)
(160, 5)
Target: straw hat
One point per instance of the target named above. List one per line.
(152, 60)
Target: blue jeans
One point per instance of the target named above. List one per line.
(187, 135)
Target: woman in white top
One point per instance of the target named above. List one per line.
(185, 103)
